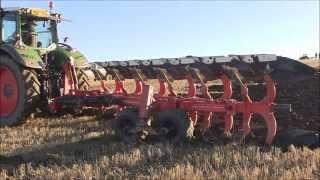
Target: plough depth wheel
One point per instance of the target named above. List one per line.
(173, 125)
(126, 125)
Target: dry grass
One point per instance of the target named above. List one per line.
(83, 148)
(315, 63)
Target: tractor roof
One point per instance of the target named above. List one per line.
(34, 12)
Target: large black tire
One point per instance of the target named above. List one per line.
(83, 83)
(177, 123)
(28, 92)
(124, 124)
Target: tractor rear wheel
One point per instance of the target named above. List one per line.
(173, 125)
(19, 92)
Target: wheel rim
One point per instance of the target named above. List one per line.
(171, 130)
(8, 91)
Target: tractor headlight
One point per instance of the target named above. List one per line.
(71, 60)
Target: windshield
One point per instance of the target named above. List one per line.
(37, 33)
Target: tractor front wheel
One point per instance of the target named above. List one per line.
(83, 83)
(19, 90)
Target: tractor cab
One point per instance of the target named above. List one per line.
(32, 35)
(36, 28)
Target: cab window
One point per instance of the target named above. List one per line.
(9, 28)
(43, 30)
(36, 32)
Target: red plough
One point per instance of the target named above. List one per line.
(167, 114)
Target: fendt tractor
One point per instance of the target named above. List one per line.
(37, 71)
(31, 62)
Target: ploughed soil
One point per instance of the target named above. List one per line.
(304, 97)
(302, 91)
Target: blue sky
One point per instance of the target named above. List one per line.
(116, 30)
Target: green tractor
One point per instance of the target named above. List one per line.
(31, 62)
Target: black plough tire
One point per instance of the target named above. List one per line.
(28, 92)
(181, 127)
(126, 121)
(83, 82)
(298, 138)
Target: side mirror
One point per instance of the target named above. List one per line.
(2, 13)
(65, 40)
(52, 47)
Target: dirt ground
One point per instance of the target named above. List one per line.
(304, 95)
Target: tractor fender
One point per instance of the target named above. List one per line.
(60, 56)
(22, 57)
